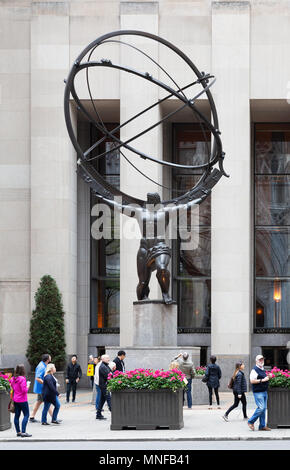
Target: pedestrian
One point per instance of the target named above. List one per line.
(119, 361)
(260, 383)
(39, 375)
(20, 388)
(187, 368)
(239, 389)
(104, 371)
(213, 375)
(174, 365)
(50, 395)
(96, 381)
(73, 376)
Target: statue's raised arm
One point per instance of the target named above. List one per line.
(131, 210)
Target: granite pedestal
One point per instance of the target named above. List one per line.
(155, 337)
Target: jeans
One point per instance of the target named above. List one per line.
(25, 410)
(261, 399)
(105, 395)
(71, 386)
(216, 391)
(98, 396)
(188, 393)
(236, 403)
(46, 407)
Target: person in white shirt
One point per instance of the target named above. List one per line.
(96, 382)
(260, 382)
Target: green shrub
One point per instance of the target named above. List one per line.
(47, 325)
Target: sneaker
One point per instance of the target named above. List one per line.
(18, 434)
(251, 426)
(100, 417)
(56, 422)
(25, 434)
(45, 424)
(33, 420)
(225, 418)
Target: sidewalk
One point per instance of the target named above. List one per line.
(80, 424)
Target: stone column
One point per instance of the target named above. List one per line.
(53, 162)
(14, 182)
(135, 95)
(231, 205)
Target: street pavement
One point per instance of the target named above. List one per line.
(200, 424)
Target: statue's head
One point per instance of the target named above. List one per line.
(153, 198)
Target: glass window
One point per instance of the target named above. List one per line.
(272, 226)
(105, 253)
(192, 267)
(275, 356)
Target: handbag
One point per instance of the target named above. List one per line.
(205, 379)
(231, 383)
(11, 405)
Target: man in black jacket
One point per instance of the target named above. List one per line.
(104, 371)
(73, 375)
(119, 361)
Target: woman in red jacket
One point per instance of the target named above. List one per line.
(20, 388)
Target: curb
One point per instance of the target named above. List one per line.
(150, 439)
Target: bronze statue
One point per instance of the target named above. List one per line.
(153, 253)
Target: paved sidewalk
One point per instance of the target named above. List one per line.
(80, 424)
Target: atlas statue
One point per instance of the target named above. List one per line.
(153, 253)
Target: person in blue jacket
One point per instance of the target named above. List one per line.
(213, 374)
(239, 389)
(50, 395)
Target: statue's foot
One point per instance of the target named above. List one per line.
(167, 299)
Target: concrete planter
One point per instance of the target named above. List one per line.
(278, 407)
(147, 409)
(4, 413)
(199, 391)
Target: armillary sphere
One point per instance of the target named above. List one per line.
(202, 81)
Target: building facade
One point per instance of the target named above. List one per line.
(233, 290)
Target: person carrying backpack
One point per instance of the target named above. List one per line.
(238, 384)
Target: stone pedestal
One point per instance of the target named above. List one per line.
(155, 337)
(154, 323)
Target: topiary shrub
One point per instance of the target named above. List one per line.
(47, 325)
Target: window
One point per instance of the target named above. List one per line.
(272, 227)
(275, 356)
(192, 268)
(105, 253)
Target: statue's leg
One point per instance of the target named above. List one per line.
(144, 274)
(163, 276)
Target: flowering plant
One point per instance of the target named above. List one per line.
(279, 378)
(4, 383)
(149, 379)
(200, 370)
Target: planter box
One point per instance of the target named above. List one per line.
(4, 413)
(278, 407)
(199, 391)
(147, 409)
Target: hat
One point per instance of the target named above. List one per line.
(259, 357)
